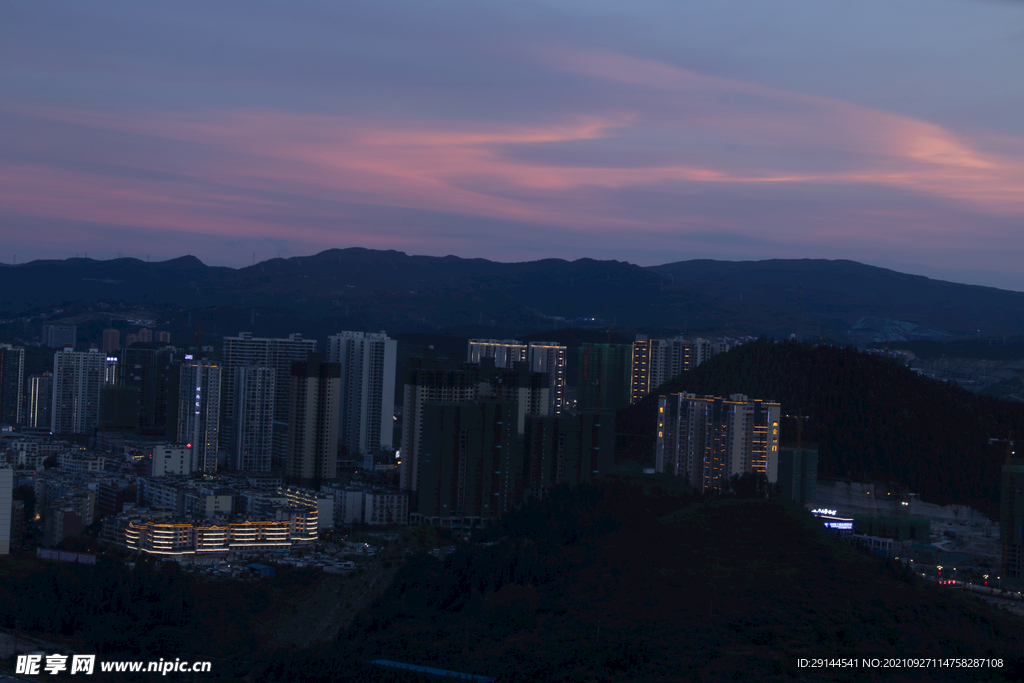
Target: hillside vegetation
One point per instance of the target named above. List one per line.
(871, 418)
(637, 579)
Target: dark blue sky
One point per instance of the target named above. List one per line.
(889, 132)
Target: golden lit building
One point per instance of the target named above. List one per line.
(709, 439)
(292, 527)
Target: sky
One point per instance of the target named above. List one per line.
(889, 132)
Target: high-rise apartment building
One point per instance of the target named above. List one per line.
(40, 400)
(163, 337)
(798, 474)
(59, 335)
(111, 341)
(567, 450)
(199, 399)
(471, 463)
(77, 382)
(312, 453)
(707, 439)
(254, 389)
(156, 373)
(367, 405)
(505, 352)
(12, 383)
(604, 376)
(546, 357)
(656, 361)
(279, 354)
(550, 358)
(433, 380)
(1011, 518)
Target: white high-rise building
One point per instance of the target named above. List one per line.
(505, 352)
(656, 361)
(40, 399)
(366, 414)
(279, 354)
(199, 400)
(707, 439)
(254, 389)
(546, 357)
(59, 335)
(549, 358)
(77, 379)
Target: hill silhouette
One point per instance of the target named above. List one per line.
(368, 289)
(871, 418)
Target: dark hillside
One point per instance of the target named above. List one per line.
(870, 417)
(847, 292)
(632, 579)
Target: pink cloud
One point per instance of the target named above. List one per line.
(475, 168)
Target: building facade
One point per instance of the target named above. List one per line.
(40, 400)
(471, 464)
(59, 335)
(546, 357)
(155, 371)
(567, 450)
(111, 341)
(1011, 518)
(707, 439)
(312, 453)
(798, 474)
(433, 380)
(656, 361)
(168, 458)
(367, 405)
(199, 405)
(77, 383)
(254, 395)
(604, 376)
(12, 384)
(276, 353)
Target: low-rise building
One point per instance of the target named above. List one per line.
(76, 463)
(323, 501)
(167, 458)
(184, 538)
(386, 507)
(361, 504)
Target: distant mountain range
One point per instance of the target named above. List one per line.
(367, 289)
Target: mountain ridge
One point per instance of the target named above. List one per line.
(840, 300)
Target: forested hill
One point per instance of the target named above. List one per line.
(870, 417)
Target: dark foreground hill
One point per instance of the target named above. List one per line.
(627, 579)
(636, 580)
(871, 418)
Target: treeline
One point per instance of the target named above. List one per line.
(871, 418)
(636, 578)
(144, 612)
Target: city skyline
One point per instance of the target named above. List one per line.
(882, 133)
